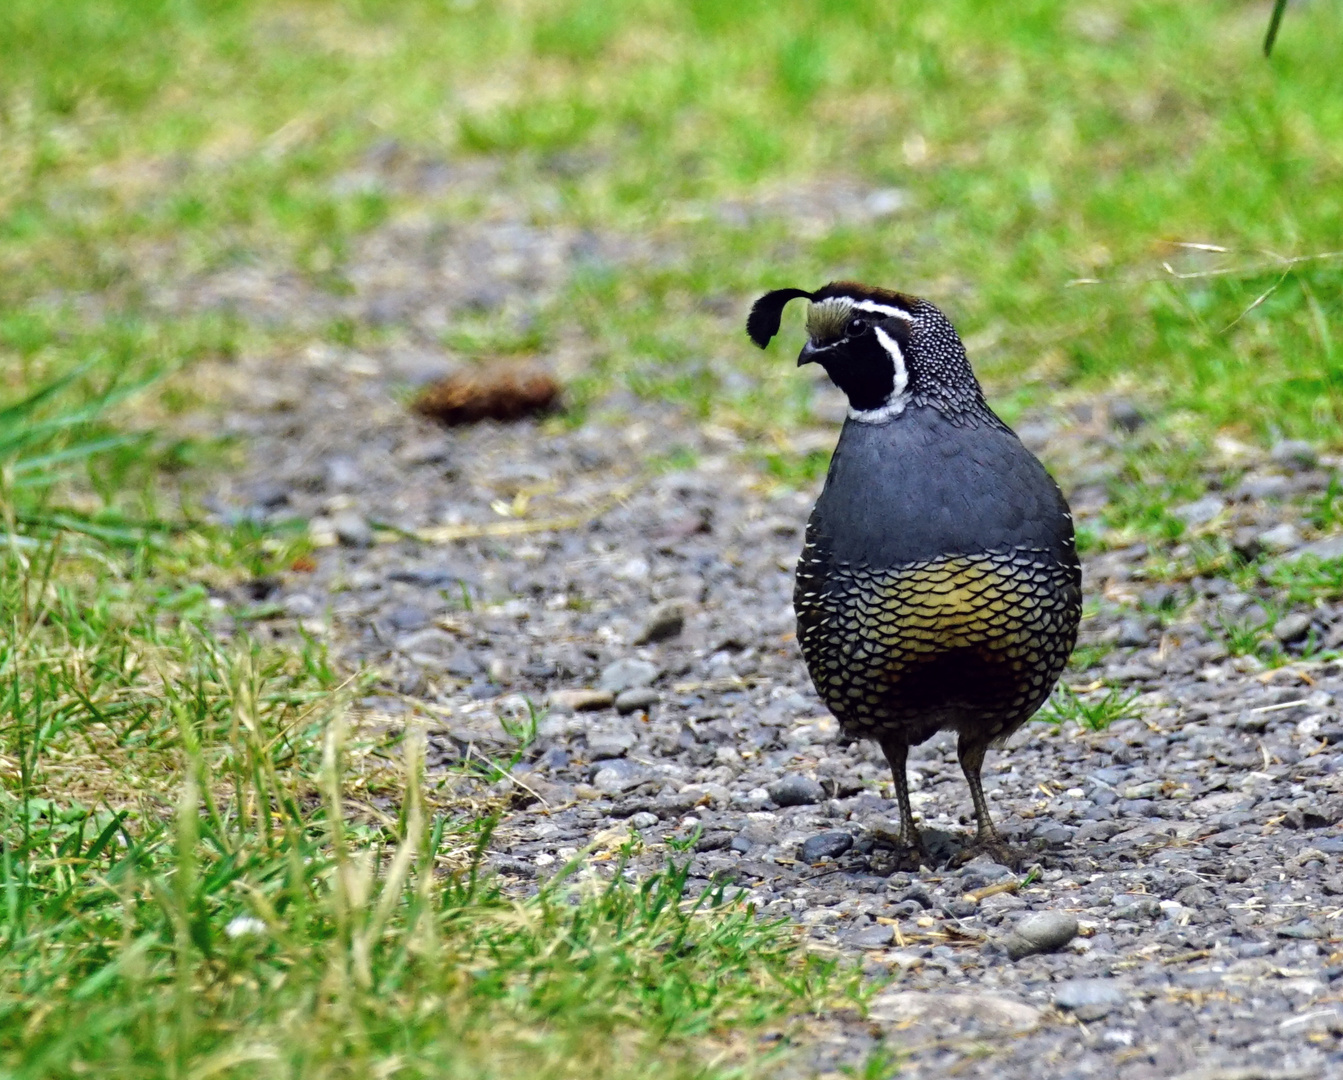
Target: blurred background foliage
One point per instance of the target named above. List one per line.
(1029, 146)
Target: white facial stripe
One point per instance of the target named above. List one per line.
(897, 358)
(883, 309)
(895, 404)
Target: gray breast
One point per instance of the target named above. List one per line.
(919, 487)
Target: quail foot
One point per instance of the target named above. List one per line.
(938, 586)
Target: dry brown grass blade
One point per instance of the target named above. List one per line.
(446, 534)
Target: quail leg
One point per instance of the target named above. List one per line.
(897, 752)
(971, 755)
(987, 838)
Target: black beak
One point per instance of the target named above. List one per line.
(808, 354)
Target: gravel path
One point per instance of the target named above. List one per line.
(1196, 846)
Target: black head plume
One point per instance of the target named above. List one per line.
(767, 312)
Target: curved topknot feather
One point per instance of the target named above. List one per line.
(767, 312)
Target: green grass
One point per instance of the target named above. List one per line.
(195, 880)
(158, 782)
(1094, 710)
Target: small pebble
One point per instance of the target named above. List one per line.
(1089, 999)
(300, 606)
(1046, 931)
(610, 744)
(663, 622)
(641, 697)
(796, 790)
(1136, 908)
(826, 845)
(627, 674)
(581, 700)
(462, 664)
(1263, 487)
(643, 820)
(351, 529)
(408, 617)
(1326, 550)
(872, 937)
(1201, 511)
(618, 775)
(1295, 452)
(270, 495)
(1133, 632)
(1126, 416)
(1282, 537)
(342, 474)
(1292, 627)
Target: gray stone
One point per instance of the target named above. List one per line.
(300, 606)
(643, 820)
(618, 775)
(1200, 511)
(954, 1011)
(875, 936)
(1326, 550)
(1231, 604)
(1263, 487)
(580, 700)
(1133, 632)
(1043, 932)
(270, 495)
(627, 674)
(1135, 908)
(429, 451)
(610, 744)
(1126, 416)
(641, 697)
(408, 617)
(663, 621)
(1283, 537)
(826, 845)
(993, 908)
(918, 892)
(428, 577)
(342, 474)
(1053, 834)
(886, 201)
(351, 529)
(462, 664)
(428, 646)
(796, 790)
(714, 841)
(1295, 452)
(1292, 627)
(1090, 999)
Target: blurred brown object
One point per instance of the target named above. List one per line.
(497, 392)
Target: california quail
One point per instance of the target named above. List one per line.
(938, 585)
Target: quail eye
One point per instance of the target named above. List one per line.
(857, 325)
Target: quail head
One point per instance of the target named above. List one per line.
(939, 586)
